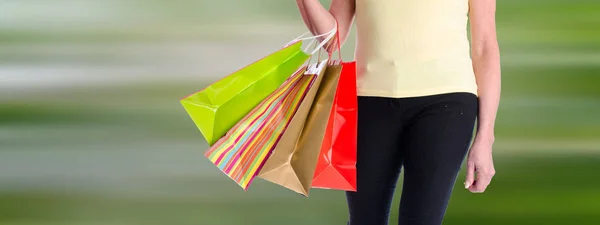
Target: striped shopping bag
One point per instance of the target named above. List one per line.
(243, 150)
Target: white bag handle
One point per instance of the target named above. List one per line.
(330, 34)
(301, 37)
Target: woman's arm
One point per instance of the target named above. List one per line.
(485, 54)
(320, 20)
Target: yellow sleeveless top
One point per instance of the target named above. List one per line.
(410, 48)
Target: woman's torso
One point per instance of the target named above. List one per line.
(409, 48)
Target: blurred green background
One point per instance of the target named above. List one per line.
(91, 130)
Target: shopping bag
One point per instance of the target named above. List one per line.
(243, 150)
(292, 164)
(217, 108)
(336, 165)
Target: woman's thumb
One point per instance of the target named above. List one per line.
(470, 175)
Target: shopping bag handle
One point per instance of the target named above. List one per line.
(338, 47)
(330, 34)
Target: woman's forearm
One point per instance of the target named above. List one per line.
(485, 54)
(305, 17)
(319, 20)
(315, 16)
(486, 64)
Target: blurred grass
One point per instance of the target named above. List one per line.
(528, 190)
(128, 153)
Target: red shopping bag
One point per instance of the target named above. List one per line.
(336, 167)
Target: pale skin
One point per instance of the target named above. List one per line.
(485, 55)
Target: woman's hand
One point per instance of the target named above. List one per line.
(480, 166)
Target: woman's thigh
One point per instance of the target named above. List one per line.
(435, 143)
(378, 161)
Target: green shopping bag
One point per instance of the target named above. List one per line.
(218, 107)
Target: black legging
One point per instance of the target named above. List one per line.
(429, 136)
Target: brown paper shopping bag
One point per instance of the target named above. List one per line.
(292, 164)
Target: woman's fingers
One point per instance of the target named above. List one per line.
(484, 178)
(470, 175)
